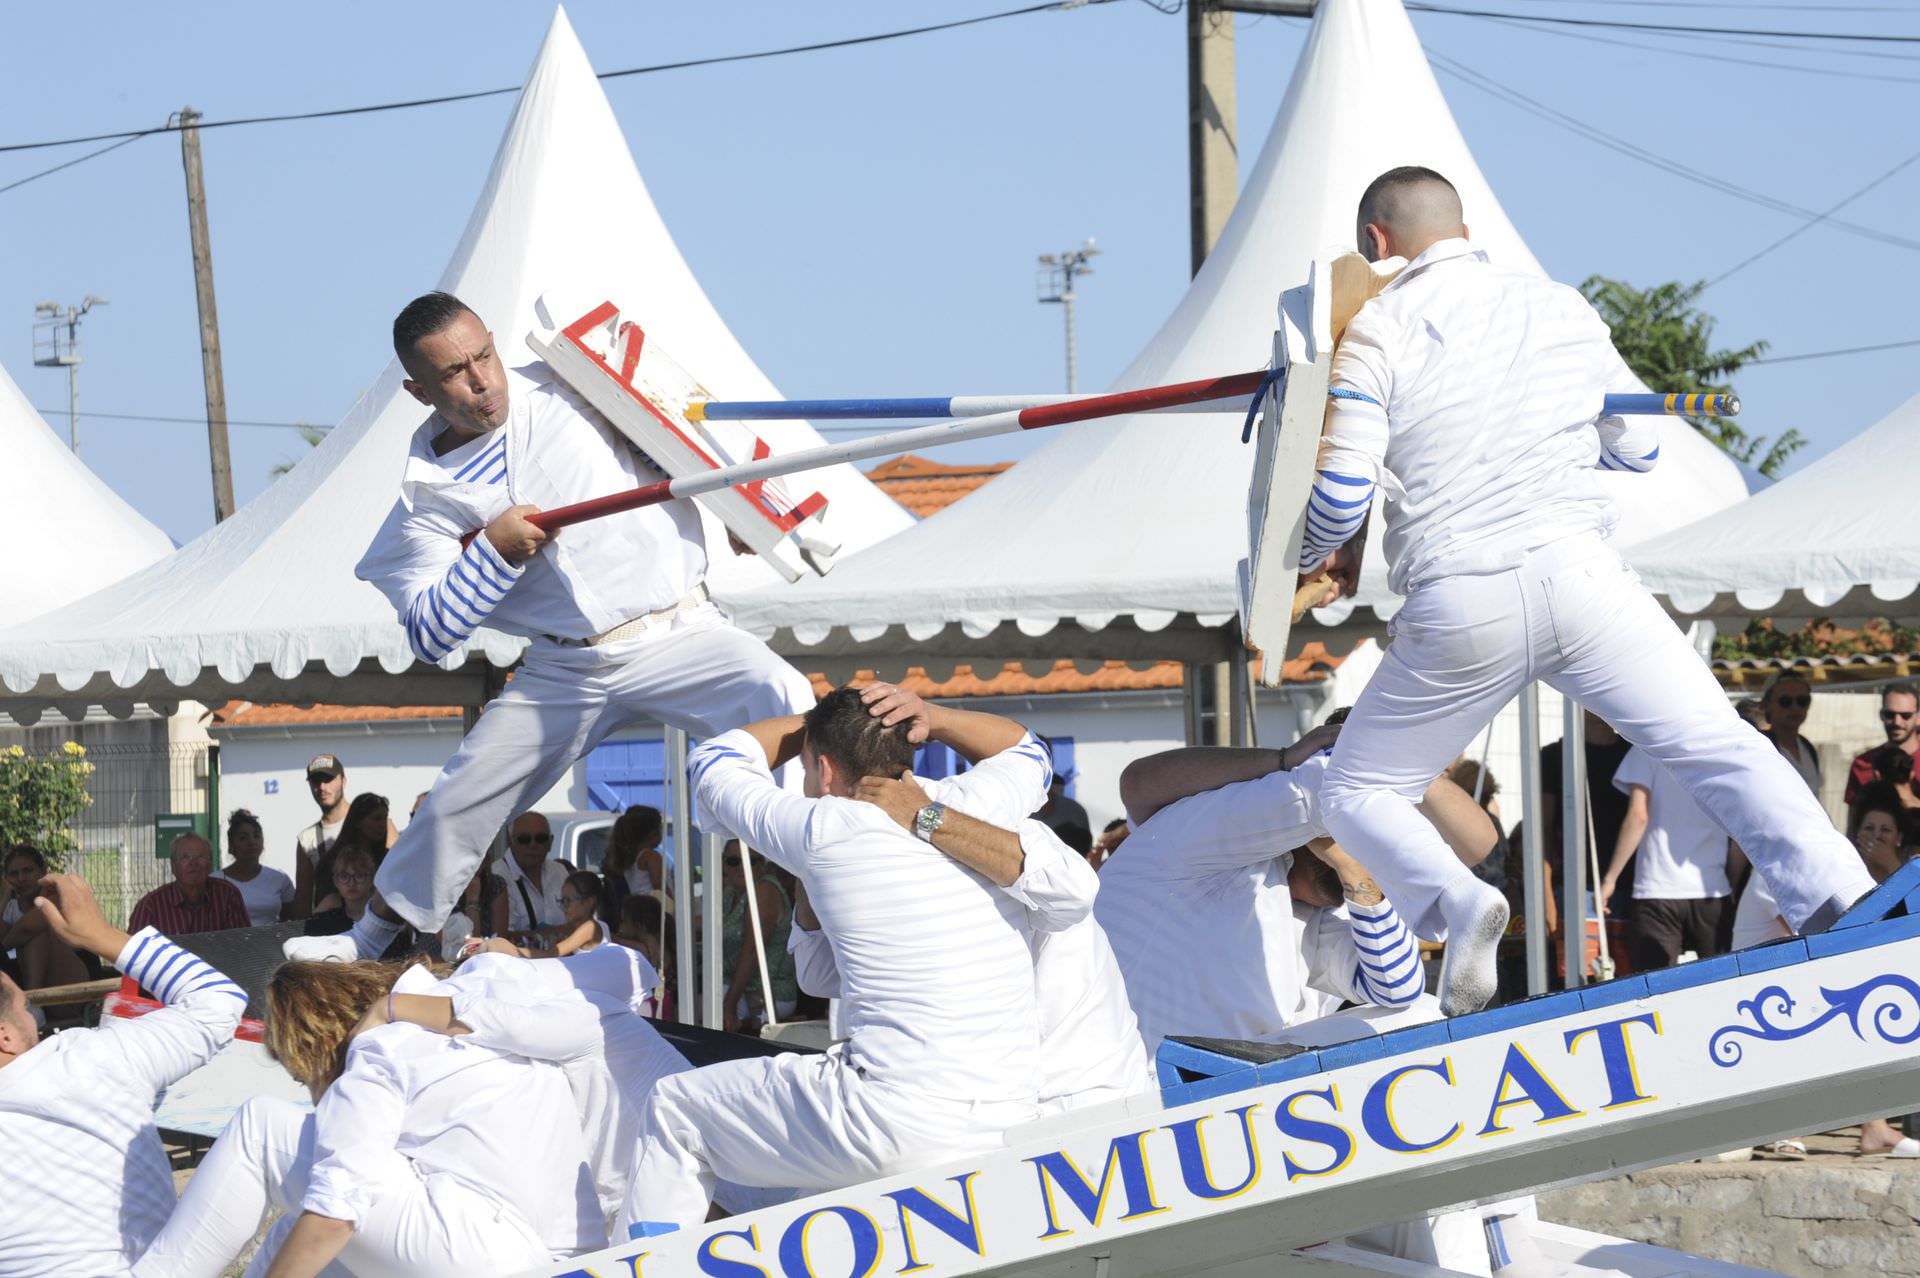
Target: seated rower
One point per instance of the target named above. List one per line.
(942, 1054)
(1090, 1044)
(90, 1185)
(421, 1153)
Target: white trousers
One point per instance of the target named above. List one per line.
(417, 1224)
(792, 1121)
(1575, 617)
(697, 673)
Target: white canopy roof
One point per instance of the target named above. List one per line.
(266, 605)
(1834, 540)
(84, 536)
(1131, 529)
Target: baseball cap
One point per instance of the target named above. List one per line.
(326, 765)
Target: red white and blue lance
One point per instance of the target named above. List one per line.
(980, 417)
(962, 406)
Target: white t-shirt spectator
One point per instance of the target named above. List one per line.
(1683, 854)
(317, 838)
(265, 893)
(1757, 918)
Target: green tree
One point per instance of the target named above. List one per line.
(1668, 343)
(312, 434)
(40, 798)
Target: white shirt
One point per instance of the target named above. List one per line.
(552, 450)
(1683, 854)
(1207, 933)
(545, 893)
(1757, 919)
(500, 1124)
(265, 893)
(1486, 384)
(317, 838)
(936, 975)
(88, 1184)
(584, 1013)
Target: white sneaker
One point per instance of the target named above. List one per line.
(320, 949)
(1476, 918)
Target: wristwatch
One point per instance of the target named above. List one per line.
(927, 820)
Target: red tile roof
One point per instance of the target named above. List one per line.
(246, 714)
(925, 487)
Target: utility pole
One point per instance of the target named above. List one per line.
(56, 344)
(1213, 156)
(209, 316)
(1057, 274)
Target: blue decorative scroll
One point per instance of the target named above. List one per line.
(1893, 1018)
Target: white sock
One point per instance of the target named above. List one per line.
(1476, 918)
(373, 934)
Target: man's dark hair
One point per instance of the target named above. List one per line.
(1380, 193)
(839, 727)
(1901, 689)
(1076, 836)
(1892, 765)
(424, 316)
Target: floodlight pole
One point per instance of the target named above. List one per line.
(52, 349)
(1057, 274)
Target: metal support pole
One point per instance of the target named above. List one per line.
(1573, 842)
(1244, 733)
(1223, 703)
(73, 408)
(680, 830)
(713, 980)
(1073, 361)
(1190, 703)
(1533, 850)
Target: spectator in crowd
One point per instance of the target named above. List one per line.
(327, 782)
(533, 882)
(90, 1185)
(1879, 830)
(1785, 702)
(267, 892)
(580, 928)
(645, 924)
(633, 865)
(1476, 780)
(1682, 894)
(353, 869)
(368, 828)
(195, 901)
(44, 959)
(1900, 720)
(1605, 750)
(1109, 842)
(1076, 836)
(1059, 811)
(485, 902)
(745, 1000)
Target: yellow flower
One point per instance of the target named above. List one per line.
(83, 769)
(74, 749)
(16, 752)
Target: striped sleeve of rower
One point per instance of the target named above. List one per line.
(1388, 973)
(1336, 507)
(171, 973)
(445, 614)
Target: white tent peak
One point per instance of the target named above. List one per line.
(266, 605)
(1143, 517)
(89, 536)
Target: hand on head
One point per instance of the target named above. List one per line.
(75, 917)
(893, 704)
(899, 797)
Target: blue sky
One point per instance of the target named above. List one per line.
(867, 219)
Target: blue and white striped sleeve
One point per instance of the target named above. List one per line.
(1353, 446)
(444, 615)
(1628, 443)
(1388, 973)
(203, 1008)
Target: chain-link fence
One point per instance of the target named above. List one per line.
(121, 854)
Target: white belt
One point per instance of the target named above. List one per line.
(694, 598)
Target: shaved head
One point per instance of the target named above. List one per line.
(1405, 211)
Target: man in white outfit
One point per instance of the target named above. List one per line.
(1469, 394)
(617, 609)
(942, 1053)
(89, 1186)
(1090, 1045)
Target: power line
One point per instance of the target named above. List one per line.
(1850, 350)
(1618, 24)
(91, 155)
(1514, 97)
(201, 420)
(684, 64)
(1810, 223)
(1721, 59)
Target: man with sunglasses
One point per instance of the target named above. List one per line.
(534, 880)
(1785, 702)
(1900, 720)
